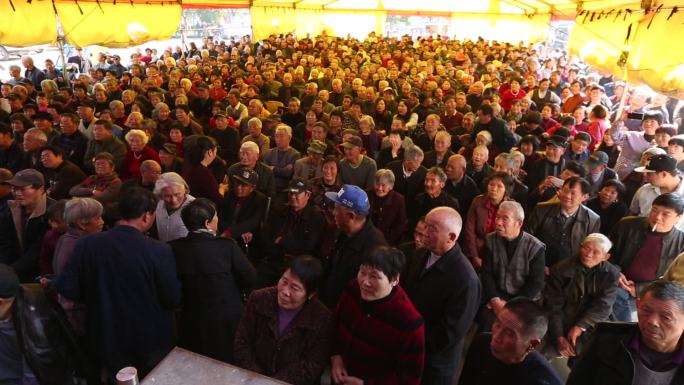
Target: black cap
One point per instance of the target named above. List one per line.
(298, 185)
(247, 176)
(556, 140)
(9, 282)
(598, 158)
(659, 163)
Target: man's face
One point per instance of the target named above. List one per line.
(248, 157)
(554, 153)
(413, 164)
(253, 109)
(293, 107)
(352, 153)
(27, 195)
(571, 197)
(50, 160)
(509, 342)
(454, 170)
(663, 218)
(298, 200)
(439, 238)
(579, 146)
(507, 225)
(150, 174)
(31, 144)
(661, 323)
(433, 185)
(419, 234)
(243, 190)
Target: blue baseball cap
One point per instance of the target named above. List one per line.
(351, 197)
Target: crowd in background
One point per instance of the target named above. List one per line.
(388, 211)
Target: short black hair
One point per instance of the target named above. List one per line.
(106, 123)
(530, 139)
(531, 314)
(619, 187)
(576, 168)
(486, 109)
(183, 107)
(573, 181)
(666, 291)
(387, 259)
(672, 201)
(309, 270)
(196, 213)
(55, 150)
(136, 202)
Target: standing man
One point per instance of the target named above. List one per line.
(357, 238)
(445, 289)
(128, 283)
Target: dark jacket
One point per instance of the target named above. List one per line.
(464, 191)
(12, 157)
(628, 237)
(388, 215)
(201, 182)
(298, 355)
(45, 338)
(507, 276)
(577, 296)
(20, 247)
(542, 221)
(608, 174)
(423, 203)
(60, 180)
(128, 282)
(74, 147)
(342, 262)
(408, 187)
(214, 274)
(610, 215)
(503, 137)
(540, 169)
(245, 218)
(300, 233)
(448, 296)
(608, 360)
(430, 159)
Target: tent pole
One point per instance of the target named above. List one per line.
(65, 73)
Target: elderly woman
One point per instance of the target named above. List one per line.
(482, 214)
(214, 274)
(608, 204)
(284, 332)
(173, 194)
(83, 217)
(162, 115)
(387, 208)
(104, 186)
(579, 294)
(379, 336)
(134, 121)
(138, 152)
(371, 139)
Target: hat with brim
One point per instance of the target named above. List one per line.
(27, 177)
(659, 163)
(598, 158)
(317, 147)
(352, 142)
(351, 197)
(298, 185)
(247, 176)
(556, 141)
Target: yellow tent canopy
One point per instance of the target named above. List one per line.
(108, 23)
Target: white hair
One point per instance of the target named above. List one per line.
(249, 145)
(78, 209)
(600, 240)
(169, 179)
(515, 207)
(139, 133)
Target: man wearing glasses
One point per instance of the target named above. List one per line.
(24, 223)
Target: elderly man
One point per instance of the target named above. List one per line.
(459, 185)
(506, 162)
(243, 208)
(644, 248)
(235, 109)
(255, 109)
(439, 157)
(293, 115)
(310, 166)
(150, 171)
(513, 262)
(249, 159)
(104, 141)
(432, 196)
(503, 137)
(551, 165)
(31, 72)
(86, 112)
(508, 355)
(255, 135)
(34, 140)
(445, 289)
(357, 238)
(125, 278)
(22, 226)
(563, 225)
(282, 158)
(356, 169)
(71, 140)
(648, 352)
(297, 229)
(409, 173)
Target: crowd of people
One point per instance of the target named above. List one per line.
(384, 211)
